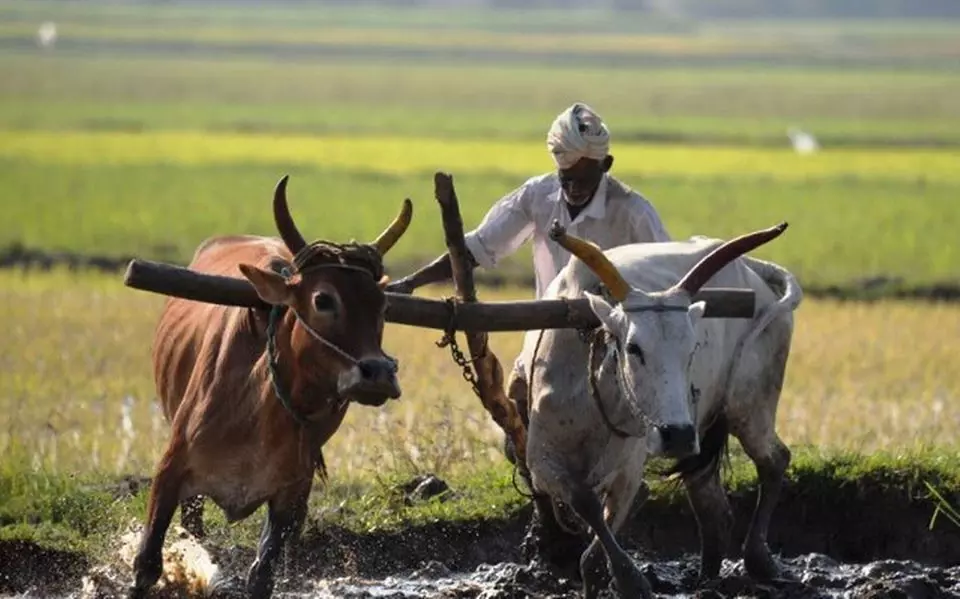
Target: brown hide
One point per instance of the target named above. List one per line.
(210, 367)
(233, 439)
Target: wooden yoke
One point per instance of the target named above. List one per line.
(489, 373)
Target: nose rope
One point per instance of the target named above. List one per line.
(272, 356)
(595, 390)
(335, 348)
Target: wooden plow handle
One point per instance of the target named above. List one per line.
(487, 373)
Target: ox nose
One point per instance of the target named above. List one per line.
(372, 382)
(678, 440)
(377, 370)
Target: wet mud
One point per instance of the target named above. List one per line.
(867, 541)
(816, 576)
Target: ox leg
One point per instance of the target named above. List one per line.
(618, 503)
(755, 427)
(714, 521)
(286, 513)
(164, 497)
(629, 580)
(771, 458)
(707, 497)
(191, 515)
(549, 540)
(546, 537)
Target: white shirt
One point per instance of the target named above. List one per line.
(617, 215)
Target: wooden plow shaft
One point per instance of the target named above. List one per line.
(488, 384)
(178, 281)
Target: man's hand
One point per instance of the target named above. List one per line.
(403, 286)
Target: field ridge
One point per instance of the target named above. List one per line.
(851, 507)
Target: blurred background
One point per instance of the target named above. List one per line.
(136, 128)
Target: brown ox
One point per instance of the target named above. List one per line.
(244, 432)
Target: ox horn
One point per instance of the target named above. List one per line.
(593, 257)
(397, 228)
(281, 215)
(710, 264)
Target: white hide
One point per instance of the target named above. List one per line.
(569, 442)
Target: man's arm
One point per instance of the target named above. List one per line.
(504, 228)
(435, 272)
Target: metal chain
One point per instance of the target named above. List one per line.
(450, 339)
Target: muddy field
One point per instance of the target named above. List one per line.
(856, 540)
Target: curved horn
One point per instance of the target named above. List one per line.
(710, 264)
(397, 228)
(281, 216)
(593, 257)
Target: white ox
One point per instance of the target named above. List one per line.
(661, 380)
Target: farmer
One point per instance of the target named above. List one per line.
(581, 194)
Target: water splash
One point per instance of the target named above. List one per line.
(187, 567)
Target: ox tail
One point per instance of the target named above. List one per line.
(783, 283)
(714, 450)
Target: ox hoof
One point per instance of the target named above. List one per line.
(227, 587)
(761, 565)
(556, 550)
(135, 592)
(633, 584)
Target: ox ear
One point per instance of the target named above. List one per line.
(271, 287)
(695, 312)
(602, 308)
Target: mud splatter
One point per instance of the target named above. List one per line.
(816, 576)
(871, 539)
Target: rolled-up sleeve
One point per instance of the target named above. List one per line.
(506, 226)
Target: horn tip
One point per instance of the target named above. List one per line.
(282, 183)
(557, 230)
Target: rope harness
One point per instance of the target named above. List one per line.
(596, 338)
(313, 257)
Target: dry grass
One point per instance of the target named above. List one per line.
(867, 377)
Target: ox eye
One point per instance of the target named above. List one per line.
(634, 350)
(324, 302)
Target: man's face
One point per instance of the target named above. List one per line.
(580, 181)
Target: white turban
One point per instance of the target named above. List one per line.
(577, 132)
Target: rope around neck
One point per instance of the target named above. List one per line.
(275, 312)
(272, 356)
(595, 390)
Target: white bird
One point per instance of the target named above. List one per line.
(47, 34)
(803, 142)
